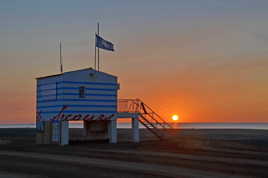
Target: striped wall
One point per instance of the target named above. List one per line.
(100, 96)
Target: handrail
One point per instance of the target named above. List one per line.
(148, 117)
(138, 106)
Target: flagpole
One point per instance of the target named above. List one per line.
(89, 48)
(98, 32)
(61, 68)
(95, 60)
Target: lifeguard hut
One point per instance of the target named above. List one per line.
(90, 96)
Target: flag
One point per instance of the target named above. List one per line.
(104, 44)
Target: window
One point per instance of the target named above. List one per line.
(81, 92)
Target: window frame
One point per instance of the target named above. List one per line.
(82, 92)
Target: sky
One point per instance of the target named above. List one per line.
(203, 60)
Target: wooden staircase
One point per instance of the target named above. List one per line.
(147, 116)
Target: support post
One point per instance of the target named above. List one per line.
(113, 131)
(64, 131)
(135, 129)
(85, 128)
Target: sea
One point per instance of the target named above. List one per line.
(261, 126)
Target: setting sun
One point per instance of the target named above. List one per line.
(175, 117)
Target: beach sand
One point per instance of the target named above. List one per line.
(186, 153)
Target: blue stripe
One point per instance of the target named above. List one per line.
(82, 106)
(76, 88)
(77, 94)
(91, 83)
(83, 100)
(49, 100)
(83, 83)
(101, 89)
(49, 83)
(101, 112)
(49, 95)
(73, 94)
(42, 90)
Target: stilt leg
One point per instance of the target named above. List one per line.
(135, 130)
(113, 131)
(64, 133)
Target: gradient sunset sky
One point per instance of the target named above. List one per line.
(206, 60)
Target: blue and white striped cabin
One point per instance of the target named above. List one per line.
(83, 92)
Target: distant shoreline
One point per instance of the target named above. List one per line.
(257, 126)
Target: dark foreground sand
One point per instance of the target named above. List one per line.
(187, 153)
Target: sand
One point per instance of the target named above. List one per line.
(186, 153)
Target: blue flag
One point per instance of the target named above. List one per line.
(104, 44)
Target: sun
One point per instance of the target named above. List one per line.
(175, 117)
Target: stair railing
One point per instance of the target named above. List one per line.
(137, 106)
